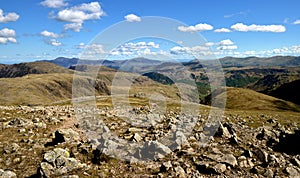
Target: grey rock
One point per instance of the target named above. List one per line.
(9, 174)
(229, 159)
(269, 173)
(296, 162)
(180, 172)
(223, 132)
(219, 168)
(136, 137)
(70, 176)
(166, 166)
(292, 172)
(57, 162)
(50, 156)
(46, 169)
(152, 150)
(262, 155)
(11, 148)
(66, 135)
(248, 153)
(245, 162)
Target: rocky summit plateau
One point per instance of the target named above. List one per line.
(47, 142)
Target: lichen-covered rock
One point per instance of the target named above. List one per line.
(57, 162)
(7, 174)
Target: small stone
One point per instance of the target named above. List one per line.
(262, 155)
(46, 169)
(257, 170)
(166, 166)
(136, 137)
(50, 156)
(220, 168)
(229, 159)
(223, 132)
(180, 172)
(70, 176)
(292, 172)
(296, 162)
(61, 152)
(35, 120)
(16, 160)
(22, 130)
(269, 173)
(9, 174)
(248, 153)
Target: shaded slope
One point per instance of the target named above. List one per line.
(288, 91)
(245, 99)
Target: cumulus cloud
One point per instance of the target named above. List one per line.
(179, 50)
(54, 3)
(46, 33)
(231, 47)
(75, 27)
(9, 17)
(225, 42)
(139, 48)
(132, 18)
(91, 49)
(209, 44)
(258, 28)
(297, 22)
(78, 14)
(53, 42)
(226, 45)
(197, 28)
(222, 30)
(7, 35)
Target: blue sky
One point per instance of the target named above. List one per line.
(45, 29)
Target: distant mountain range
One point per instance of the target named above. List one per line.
(282, 61)
(276, 76)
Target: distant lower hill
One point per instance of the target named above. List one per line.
(22, 69)
(43, 88)
(245, 99)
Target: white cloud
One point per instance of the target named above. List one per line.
(54, 3)
(179, 50)
(46, 33)
(225, 42)
(92, 49)
(139, 48)
(78, 14)
(196, 28)
(297, 22)
(4, 40)
(7, 35)
(222, 30)
(76, 27)
(132, 18)
(230, 47)
(258, 28)
(10, 17)
(53, 42)
(209, 44)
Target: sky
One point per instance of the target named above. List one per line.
(33, 30)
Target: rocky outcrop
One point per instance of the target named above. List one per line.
(48, 142)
